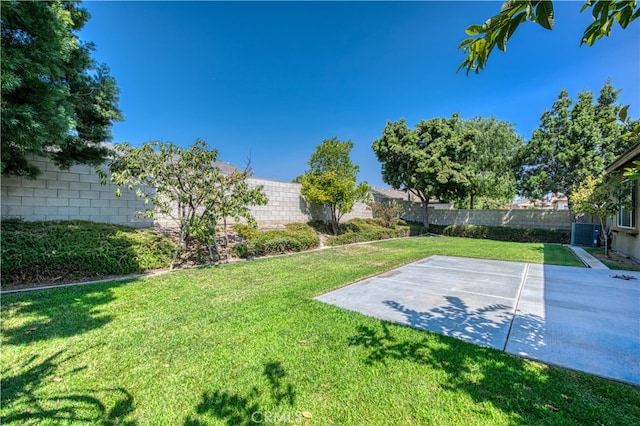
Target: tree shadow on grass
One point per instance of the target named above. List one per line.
(256, 406)
(56, 313)
(37, 393)
(529, 393)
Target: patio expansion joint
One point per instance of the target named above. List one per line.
(515, 307)
(445, 268)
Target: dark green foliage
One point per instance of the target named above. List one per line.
(499, 233)
(57, 101)
(294, 238)
(68, 250)
(428, 161)
(362, 230)
(575, 139)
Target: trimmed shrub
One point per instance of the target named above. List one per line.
(62, 251)
(296, 237)
(361, 230)
(246, 231)
(499, 233)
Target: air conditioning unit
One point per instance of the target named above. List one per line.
(585, 234)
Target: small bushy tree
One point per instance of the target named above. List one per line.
(388, 212)
(331, 180)
(601, 197)
(185, 185)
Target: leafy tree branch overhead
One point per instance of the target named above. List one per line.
(497, 30)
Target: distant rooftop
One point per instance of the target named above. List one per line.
(392, 194)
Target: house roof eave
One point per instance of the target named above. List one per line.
(626, 157)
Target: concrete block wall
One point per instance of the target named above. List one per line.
(286, 205)
(542, 219)
(68, 194)
(77, 194)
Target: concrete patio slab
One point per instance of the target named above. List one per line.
(579, 318)
(441, 295)
(584, 320)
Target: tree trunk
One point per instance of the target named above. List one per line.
(183, 228)
(574, 216)
(605, 237)
(334, 221)
(212, 246)
(215, 247)
(226, 238)
(425, 218)
(211, 261)
(471, 198)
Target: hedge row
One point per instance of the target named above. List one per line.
(523, 235)
(67, 250)
(296, 237)
(362, 230)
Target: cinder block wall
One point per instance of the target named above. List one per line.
(68, 194)
(544, 219)
(286, 205)
(77, 194)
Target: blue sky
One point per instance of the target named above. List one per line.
(270, 81)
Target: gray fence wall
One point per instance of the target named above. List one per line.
(77, 194)
(70, 194)
(547, 219)
(286, 205)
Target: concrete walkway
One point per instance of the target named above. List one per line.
(583, 319)
(588, 259)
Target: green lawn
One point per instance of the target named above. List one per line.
(243, 343)
(615, 262)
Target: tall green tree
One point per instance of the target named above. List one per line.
(574, 140)
(498, 29)
(428, 161)
(490, 170)
(185, 185)
(57, 101)
(331, 180)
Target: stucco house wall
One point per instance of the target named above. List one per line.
(625, 239)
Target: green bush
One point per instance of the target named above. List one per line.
(296, 237)
(69, 250)
(246, 231)
(499, 233)
(361, 230)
